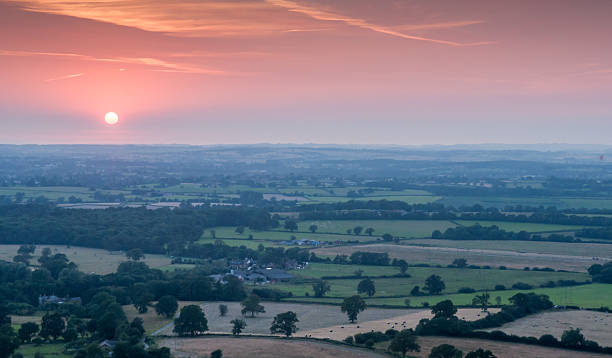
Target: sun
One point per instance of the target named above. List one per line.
(111, 118)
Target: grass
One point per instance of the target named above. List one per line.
(516, 226)
(501, 202)
(401, 286)
(88, 260)
(226, 232)
(400, 228)
(151, 320)
(585, 296)
(48, 350)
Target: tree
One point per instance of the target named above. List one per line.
(213, 234)
(141, 297)
(480, 353)
(434, 285)
(166, 306)
(251, 304)
(498, 300)
(9, 341)
(445, 351)
(460, 263)
(572, 338)
(416, 291)
(70, 335)
(217, 353)
(369, 231)
(366, 286)
(403, 266)
(191, 321)
(444, 309)
(237, 326)
(284, 323)
(52, 325)
(387, 237)
(313, 228)
(482, 300)
(357, 230)
(352, 306)
(135, 254)
(291, 225)
(320, 288)
(403, 342)
(27, 331)
(222, 310)
(239, 230)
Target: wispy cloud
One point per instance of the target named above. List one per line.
(329, 16)
(64, 77)
(153, 64)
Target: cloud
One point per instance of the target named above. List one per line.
(153, 64)
(216, 18)
(329, 16)
(64, 77)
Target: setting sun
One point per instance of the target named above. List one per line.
(111, 118)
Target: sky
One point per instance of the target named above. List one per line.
(405, 72)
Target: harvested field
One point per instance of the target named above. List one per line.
(537, 247)
(596, 326)
(247, 347)
(88, 260)
(500, 349)
(410, 320)
(311, 316)
(444, 256)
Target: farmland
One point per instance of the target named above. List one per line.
(398, 228)
(551, 248)
(500, 349)
(596, 326)
(446, 255)
(454, 278)
(587, 296)
(247, 347)
(88, 260)
(517, 226)
(47, 350)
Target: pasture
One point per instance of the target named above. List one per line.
(398, 228)
(47, 350)
(518, 226)
(247, 347)
(446, 255)
(478, 279)
(88, 260)
(596, 326)
(586, 296)
(228, 232)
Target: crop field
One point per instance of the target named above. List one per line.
(586, 296)
(516, 226)
(399, 228)
(247, 347)
(596, 326)
(453, 278)
(47, 350)
(446, 255)
(228, 232)
(500, 349)
(88, 260)
(537, 247)
(51, 192)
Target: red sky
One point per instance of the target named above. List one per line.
(341, 71)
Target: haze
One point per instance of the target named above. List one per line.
(280, 71)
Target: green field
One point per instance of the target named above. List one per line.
(401, 286)
(516, 226)
(501, 202)
(227, 232)
(51, 192)
(400, 228)
(586, 296)
(48, 350)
